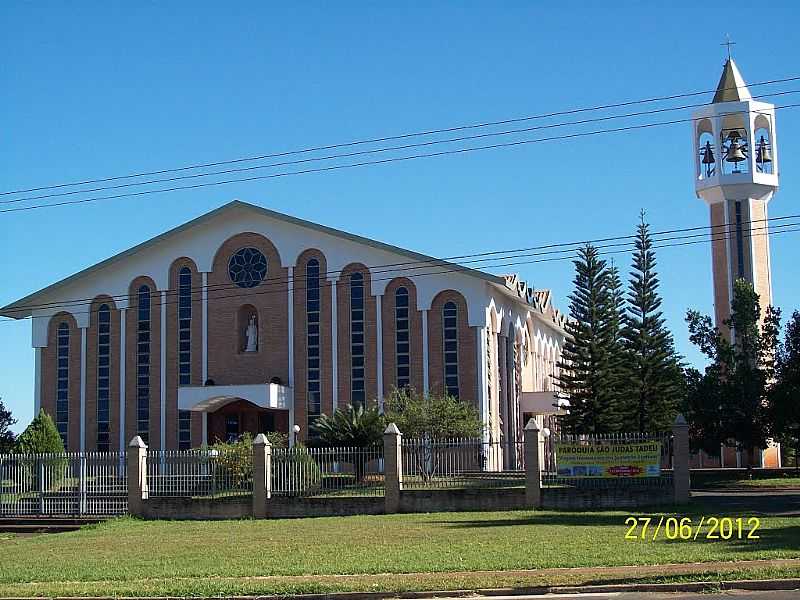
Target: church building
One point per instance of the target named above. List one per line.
(249, 320)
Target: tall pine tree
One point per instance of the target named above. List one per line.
(590, 359)
(653, 383)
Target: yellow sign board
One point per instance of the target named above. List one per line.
(609, 460)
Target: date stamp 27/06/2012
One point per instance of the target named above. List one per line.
(691, 529)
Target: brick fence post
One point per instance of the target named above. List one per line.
(533, 464)
(392, 467)
(262, 475)
(680, 460)
(137, 476)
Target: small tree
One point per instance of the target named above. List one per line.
(6, 435)
(429, 419)
(432, 417)
(727, 404)
(784, 397)
(40, 437)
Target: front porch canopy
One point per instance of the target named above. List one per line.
(208, 398)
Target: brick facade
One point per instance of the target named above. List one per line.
(91, 375)
(49, 376)
(344, 339)
(228, 308)
(467, 367)
(301, 339)
(227, 361)
(388, 306)
(196, 344)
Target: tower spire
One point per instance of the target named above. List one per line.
(731, 86)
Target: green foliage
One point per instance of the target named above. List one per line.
(592, 360)
(40, 437)
(784, 396)
(653, 380)
(432, 416)
(6, 435)
(299, 469)
(234, 460)
(353, 426)
(727, 403)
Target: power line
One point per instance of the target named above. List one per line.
(407, 266)
(713, 238)
(371, 151)
(394, 137)
(364, 163)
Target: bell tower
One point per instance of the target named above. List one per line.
(736, 174)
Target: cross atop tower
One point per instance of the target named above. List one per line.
(728, 43)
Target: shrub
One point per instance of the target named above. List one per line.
(40, 437)
(295, 470)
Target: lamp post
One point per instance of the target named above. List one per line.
(296, 430)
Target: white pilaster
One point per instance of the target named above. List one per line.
(204, 318)
(37, 380)
(425, 380)
(290, 325)
(334, 346)
(205, 428)
(83, 390)
(379, 353)
(483, 383)
(163, 378)
(291, 425)
(122, 443)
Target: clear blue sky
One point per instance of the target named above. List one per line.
(92, 89)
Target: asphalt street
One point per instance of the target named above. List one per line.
(728, 595)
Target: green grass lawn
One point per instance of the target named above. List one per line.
(129, 557)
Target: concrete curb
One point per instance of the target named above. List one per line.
(695, 586)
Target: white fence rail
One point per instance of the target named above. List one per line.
(461, 462)
(199, 473)
(71, 483)
(302, 471)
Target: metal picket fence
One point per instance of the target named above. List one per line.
(65, 484)
(301, 471)
(552, 476)
(462, 463)
(208, 473)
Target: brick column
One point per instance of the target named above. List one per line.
(392, 467)
(680, 460)
(262, 475)
(137, 476)
(533, 464)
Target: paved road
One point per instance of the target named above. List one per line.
(730, 595)
(777, 503)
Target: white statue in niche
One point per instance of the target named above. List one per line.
(252, 335)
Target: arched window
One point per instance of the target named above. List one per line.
(184, 352)
(62, 383)
(357, 393)
(402, 342)
(450, 330)
(103, 376)
(143, 365)
(314, 401)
